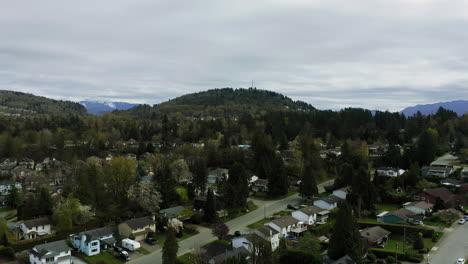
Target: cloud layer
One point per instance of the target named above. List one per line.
(333, 54)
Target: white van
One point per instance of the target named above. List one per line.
(131, 245)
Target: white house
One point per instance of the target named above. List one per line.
(464, 172)
(287, 225)
(242, 241)
(56, 252)
(35, 228)
(308, 215)
(217, 175)
(419, 207)
(91, 242)
(389, 172)
(269, 234)
(342, 192)
(328, 203)
(7, 185)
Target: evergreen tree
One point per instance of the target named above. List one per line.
(419, 242)
(309, 184)
(200, 175)
(12, 198)
(236, 189)
(45, 202)
(345, 239)
(427, 146)
(210, 208)
(278, 180)
(170, 248)
(166, 186)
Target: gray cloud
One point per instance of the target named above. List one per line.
(332, 54)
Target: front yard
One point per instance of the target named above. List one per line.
(386, 207)
(395, 244)
(104, 257)
(186, 233)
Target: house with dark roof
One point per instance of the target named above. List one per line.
(260, 185)
(269, 234)
(374, 236)
(170, 213)
(309, 214)
(451, 182)
(287, 225)
(436, 171)
(137, 227)
(328, 203)
(90, 242)
(419, 207)
(432, 195)
(37, 227)
(399, 216)
(217, 253)
(342, 192)
(51, 253)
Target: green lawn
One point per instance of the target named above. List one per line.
(187, 258)
(105, 257)
(219, 241)
(266, 220)
(265, 196)
(429, 223)
(143, 251)
(397, 241)
(386, 207)
(232, 215)
(161, 237)
(368, 220)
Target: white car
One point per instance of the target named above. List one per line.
(461, 261)
(461, 221)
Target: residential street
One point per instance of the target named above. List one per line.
(454, 245)
(265, 208)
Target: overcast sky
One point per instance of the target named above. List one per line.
(332, 54)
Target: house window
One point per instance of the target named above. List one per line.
(49, 259)
(423, 198)
(94, 250)
(94, 244)
(416, 197)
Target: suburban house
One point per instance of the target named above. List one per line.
(90, 242)
(287, 225)
(260, 185)
(137, 227)
(3, 201)
(51, 253)
(170, 213)
(217, 253)
(217, 175)
(374, 236)
(431, 195)
(389, 172)
(435, 171)
(269, 234)
(37, 227)
(419, 207)
(28, 163)
(399, 216)
(451, 182)
(342, 192)
(308, 215)
(7, 185)
(328, 203)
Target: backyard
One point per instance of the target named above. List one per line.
(386, 207)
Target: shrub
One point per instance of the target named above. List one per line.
(372, 258)
(419, 242)
(7, 252)
(390, 259)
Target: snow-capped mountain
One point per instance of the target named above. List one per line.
(101, 107)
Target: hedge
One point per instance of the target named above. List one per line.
(384, 253)
(398, 228)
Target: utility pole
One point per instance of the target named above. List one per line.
(396, 254)
(264, 211)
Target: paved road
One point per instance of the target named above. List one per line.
(454, 245)
(265, 208)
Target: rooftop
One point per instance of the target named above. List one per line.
(138, 223)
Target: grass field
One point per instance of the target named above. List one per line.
(396, 241)
(386, 207)
(104, 257)
(143, 251)
(186, 258)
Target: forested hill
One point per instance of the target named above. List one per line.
(23, 104)
(222, 102)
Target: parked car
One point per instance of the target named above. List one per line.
(238, 233)
(124, 254)
(290, 237)
(461, 221)
(118, 249)
(293, 207)
(150, 241)
(461, 261)
(465, 217)
(380, 246)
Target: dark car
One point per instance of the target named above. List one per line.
(293, 207)
(380, 246)
(124, 254)
(238, 233)
(118, 249)
(150, 241)
(290, 237)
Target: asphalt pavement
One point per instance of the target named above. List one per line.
(265, 208)
(453, 245)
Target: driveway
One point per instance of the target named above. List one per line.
(265, 208)
(454, 245)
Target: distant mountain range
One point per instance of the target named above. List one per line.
(460, 107)
(101, 107)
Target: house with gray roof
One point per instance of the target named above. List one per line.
(287, 225)
(90, 242)
(51, 253)
(138, 227)
(36, 227)
(170, 213)
(328, 203)
(374, 236)
(309, 214)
